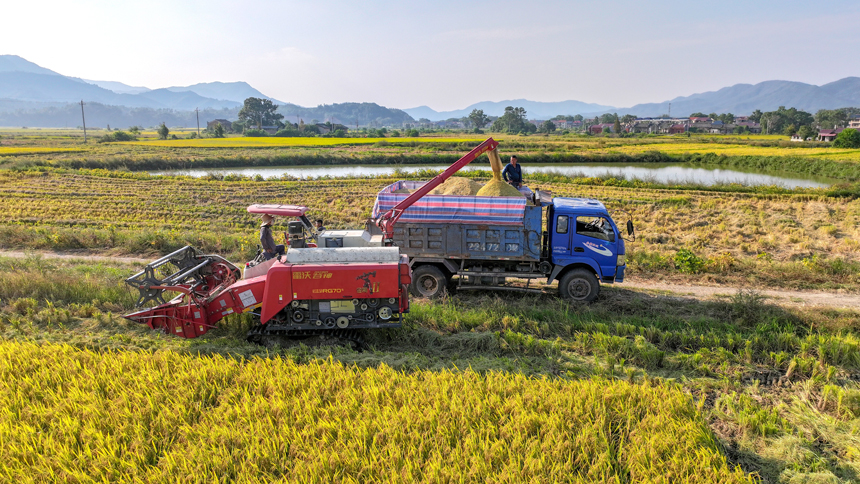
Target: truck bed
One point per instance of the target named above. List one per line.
(476, 241)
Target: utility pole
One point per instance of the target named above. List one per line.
(84, 120)
(670, 110)
(197, 110)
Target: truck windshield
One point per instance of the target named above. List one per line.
(595, 227)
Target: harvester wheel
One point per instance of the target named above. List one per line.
(428, 281)
(579, 285)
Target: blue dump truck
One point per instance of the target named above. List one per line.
(476, 242)
(572, 240)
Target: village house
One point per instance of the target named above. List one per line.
(829, 134)
(223, 122)
(854, 122)
(326, 128)
(752, 126)
(562, 123)
(598, 128)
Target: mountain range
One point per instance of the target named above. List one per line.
(32, 95)
(534, 109)
(766, 96)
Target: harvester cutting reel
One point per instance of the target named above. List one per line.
(199, 276)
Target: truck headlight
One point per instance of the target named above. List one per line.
(622, 260)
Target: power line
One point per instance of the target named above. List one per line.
(84, 119)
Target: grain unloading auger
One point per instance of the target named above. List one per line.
(310, 291)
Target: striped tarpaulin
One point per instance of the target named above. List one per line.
(451, 208)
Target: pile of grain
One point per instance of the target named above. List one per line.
(498, 188)
(457, 185)
(403, 190)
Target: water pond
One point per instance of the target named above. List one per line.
(670, 173)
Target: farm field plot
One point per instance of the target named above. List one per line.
(274, 142)
(164, 417)
(727, 149)
(26, 150)
(795, 239)
(522, 386)
(148, 153)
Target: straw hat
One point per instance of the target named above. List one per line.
(267, 219)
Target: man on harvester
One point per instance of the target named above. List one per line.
(270, 250)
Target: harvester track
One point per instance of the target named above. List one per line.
(270, 334)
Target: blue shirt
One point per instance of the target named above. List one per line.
(513, 173)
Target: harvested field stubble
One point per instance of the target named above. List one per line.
(796, 239)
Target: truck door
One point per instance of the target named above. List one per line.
(560, 236)
(595, 237)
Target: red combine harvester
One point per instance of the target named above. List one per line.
(310, 291)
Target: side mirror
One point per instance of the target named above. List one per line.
(630, 228)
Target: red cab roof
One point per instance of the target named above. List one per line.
(282, 210)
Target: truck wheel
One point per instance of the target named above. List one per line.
(428, 281)
(579, 285)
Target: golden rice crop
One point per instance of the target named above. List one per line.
(278, 141)
(30, 150)
(81, 416)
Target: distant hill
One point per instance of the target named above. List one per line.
(30, 95)
(767, 96)
(346, 113)
(14, 63)
(101, 115)
(24, 81)
(534, 109)
(230, 91)
(119, 87)
(26, 86)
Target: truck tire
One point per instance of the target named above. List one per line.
(428, 281)
(579, 285)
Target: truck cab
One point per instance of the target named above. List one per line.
(584, 246)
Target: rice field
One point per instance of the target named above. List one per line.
(77, 416)
(796, 239)
(15, 150)
(633, 388)
(241, 142)
(637, 387)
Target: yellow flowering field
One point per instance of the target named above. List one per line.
(30, 150)
(74, 415)
(237, 142)
(674, 148)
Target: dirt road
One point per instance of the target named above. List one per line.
(776, 296)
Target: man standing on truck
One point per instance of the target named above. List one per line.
(513, 173)
(267, 241)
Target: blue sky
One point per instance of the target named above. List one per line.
(443, 54)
